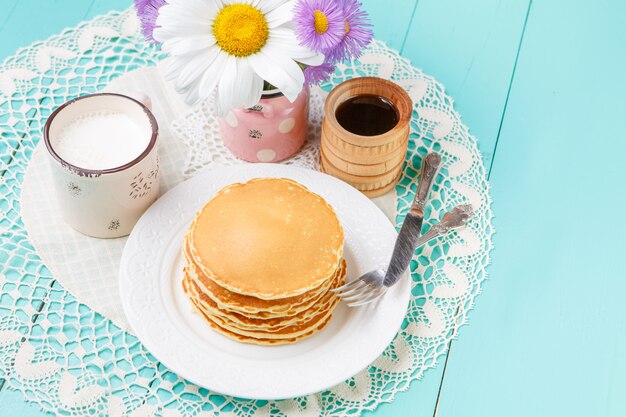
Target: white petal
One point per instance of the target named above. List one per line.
(163, 33)
(267, 6)
(173, 29)
(184, 45)
(212, 75)
(280, 15)
(213, 6)
(275, 67)
(185, 17)
(174, 21)
(262, 65)
(195, 8)
(229, 2)
(249, 85)
(193, 96)
(227, 87)
(285, 40)
(174, 66)
(195, 67)
(239, 86)
(254, 96)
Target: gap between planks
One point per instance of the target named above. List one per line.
(493, 157)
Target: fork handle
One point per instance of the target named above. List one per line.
(411, 228)
(433, 233)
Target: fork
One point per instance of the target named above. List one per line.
(375, 283)
(453, 219)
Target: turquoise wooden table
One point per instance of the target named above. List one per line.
(542, 85)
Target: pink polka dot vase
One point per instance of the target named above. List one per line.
(273, 130)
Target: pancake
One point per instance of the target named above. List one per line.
(252, 306)
(256, 340)
(254, 324)
(260, 341)
(262, 309)
(300, 325)
(287, 333)
(269, 238)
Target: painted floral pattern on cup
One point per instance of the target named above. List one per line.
(142, 184)
(255, 134)
(74, 189)
(114, 225)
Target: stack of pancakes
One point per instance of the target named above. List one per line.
(260, 259)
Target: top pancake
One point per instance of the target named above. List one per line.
(269, 238)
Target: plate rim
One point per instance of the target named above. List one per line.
(256, 171)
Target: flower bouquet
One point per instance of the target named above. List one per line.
(256, 58)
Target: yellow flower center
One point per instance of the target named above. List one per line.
(240, 30)
(320, 21)
(346, 27)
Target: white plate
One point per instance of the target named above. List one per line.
(163, 318)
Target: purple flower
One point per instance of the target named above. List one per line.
(319, 74)
(148, 11)
(319, 24)
(357, 32)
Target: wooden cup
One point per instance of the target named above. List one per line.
(372, 164)
(370, 190)
(374, 168)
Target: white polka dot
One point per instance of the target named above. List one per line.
(231, 119)
(287, 125)
(266, 155)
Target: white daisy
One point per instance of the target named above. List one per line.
(232, 46)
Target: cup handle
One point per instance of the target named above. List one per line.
(141, 97)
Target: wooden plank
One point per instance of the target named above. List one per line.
(13, 405)
(549, 334)
(33, 20)
(99, 7)
(470, 47)
(25, 21)
(7, 8)
(391, 24)
(463, 44)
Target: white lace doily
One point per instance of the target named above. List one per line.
(88, 268)
(199, 131)
(72, 360)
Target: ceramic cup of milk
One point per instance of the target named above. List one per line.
(105, 163)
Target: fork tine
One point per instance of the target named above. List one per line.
(364, 292)
(346, 286)
(362, 284)
(371, 298)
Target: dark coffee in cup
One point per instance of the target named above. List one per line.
(367, 115)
